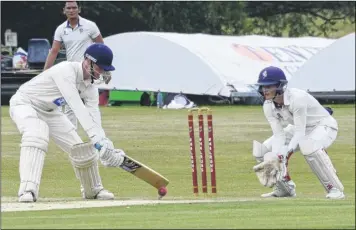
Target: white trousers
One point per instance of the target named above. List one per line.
(322, 134)
(36, 127)
(61, 130)
(70, 114)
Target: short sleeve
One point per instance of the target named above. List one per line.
(94, 30)
(58, 34)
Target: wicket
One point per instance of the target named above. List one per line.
(202, 149)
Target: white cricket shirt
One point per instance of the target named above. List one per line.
(301, 110)
(64, 84)
(76, 40)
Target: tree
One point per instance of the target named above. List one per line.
(295, 19)
(313, 18)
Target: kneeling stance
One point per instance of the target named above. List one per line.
(298, 122)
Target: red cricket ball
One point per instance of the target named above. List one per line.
(162, 191)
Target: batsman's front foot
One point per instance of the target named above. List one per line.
(27, 197)
(280, 192)
(335, 194)
(104, 195)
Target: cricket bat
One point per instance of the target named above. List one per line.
(144, 172)
(134, 167)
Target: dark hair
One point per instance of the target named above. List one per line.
(79, 7)
(72, 1)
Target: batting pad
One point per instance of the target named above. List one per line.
(36, 134)
(84, 158)
(321, 165)
(31, 166)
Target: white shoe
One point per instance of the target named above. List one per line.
(335, 194)
(279, 191)
(27, 197)
(104, 195)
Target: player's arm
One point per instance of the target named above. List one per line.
(56, 46)
(99, 39)
(269, 171)
(299, 111)
(91, 102)
(95, 34)
(279, 136)
(67, 86)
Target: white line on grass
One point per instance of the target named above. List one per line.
(70, 204)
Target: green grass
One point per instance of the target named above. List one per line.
(160, 140)
(260, 214)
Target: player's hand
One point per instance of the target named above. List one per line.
(108, 155)
(283, 157)
(284, 154)
(112, 158)
(103, 144)
(107, 143)
(268, 172)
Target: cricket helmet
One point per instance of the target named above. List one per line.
(272, 76)
(101, 55)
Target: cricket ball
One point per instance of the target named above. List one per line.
(162, 191)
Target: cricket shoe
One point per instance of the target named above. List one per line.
(335, 194)
(282, 189)
(102, 195)
(27, 197)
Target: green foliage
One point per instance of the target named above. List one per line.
(294, 19)
(190, 17)
(312, 18)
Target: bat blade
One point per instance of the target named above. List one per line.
(144, 173)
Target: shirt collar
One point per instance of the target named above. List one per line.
(286, 101)
(68, 24)
(286, 97)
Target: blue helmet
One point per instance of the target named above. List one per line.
(271, 76)
(101, 55)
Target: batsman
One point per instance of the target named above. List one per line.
(35, 111)
(298, 122)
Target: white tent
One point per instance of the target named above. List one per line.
(332, 69)
(202, 64)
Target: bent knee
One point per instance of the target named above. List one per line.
(35, 134)
(259, 150)
(308, 146)
(66, 140)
